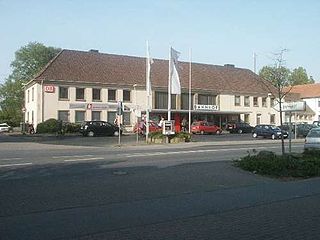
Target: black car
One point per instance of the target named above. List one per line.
(239, 127)
(99, 128)
(270, 131)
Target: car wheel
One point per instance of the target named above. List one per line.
(218, 132)
(240, 131)
(254, 135)
(202, 132)
(91, 134)
(116, 133)
(273, 136)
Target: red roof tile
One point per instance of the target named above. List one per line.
(306, 90)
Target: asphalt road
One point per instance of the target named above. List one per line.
(181, 191)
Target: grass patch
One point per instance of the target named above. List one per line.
(304, 165)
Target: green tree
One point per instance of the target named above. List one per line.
(268, 73)
(29, 60)
(279, 76)
(299, 76)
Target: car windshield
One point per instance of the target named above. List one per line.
(275, 128)
(314, 133)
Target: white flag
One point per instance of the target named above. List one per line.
(174, 76)
(149, 62)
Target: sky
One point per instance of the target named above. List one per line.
(217, 32)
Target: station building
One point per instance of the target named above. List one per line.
(76, 86)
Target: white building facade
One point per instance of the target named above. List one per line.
(78, 86)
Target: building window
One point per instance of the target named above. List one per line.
(126, 118)
(96, 94)
(207, 99)
(28, 96)
(247, 118)
(63, 93)
(255, 102)
(126, 95)
(258, 119)
(80, 94)
(32, 94)
(63, 116)
(247, 101)
(185, 101)
(79, 116)
(271, 102)
(237, 101)
(111, 117)
(111, 95)
(161, 100)
(264, 102)
(318, 103)
(96, 116)
(173, 101)
(32, 117)
(272, 119)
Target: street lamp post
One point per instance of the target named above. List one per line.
(136, 111)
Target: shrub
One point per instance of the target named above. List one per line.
(49, 126)
(294, 165)
(71, 127)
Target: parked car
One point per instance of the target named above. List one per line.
(316, 123)
(303, 129)
(141, 127)
(270, 131)
(4, 127)
(312, 140)
(286, 127)
(99, 128)
(203, 127)
(239, 127)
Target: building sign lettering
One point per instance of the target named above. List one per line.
(206, 107)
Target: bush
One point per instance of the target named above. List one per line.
(49, 126)
(159, 135)
(295, 165)
(71, 127)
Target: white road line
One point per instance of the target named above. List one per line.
(71, 156)
(83, 159)
(16, 164)
(191, 151)
(8, 159)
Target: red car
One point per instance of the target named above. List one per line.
(141, 127)
(203, 127)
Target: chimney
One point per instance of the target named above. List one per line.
(229, 65)
(94, 51)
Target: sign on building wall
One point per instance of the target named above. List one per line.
(49, 88)
(293, 106)
(206, 107)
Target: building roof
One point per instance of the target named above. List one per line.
(90, 67)
(306, 90)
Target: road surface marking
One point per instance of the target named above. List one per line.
(83, 159)
(190, 151)
(8, 159)
(70, 156)
(16, 164)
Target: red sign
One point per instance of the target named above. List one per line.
(49, 88)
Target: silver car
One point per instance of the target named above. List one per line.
(4, 127)
(313, 139)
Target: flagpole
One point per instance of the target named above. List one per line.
(169, 87)
(148, 91)
(190, 95)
